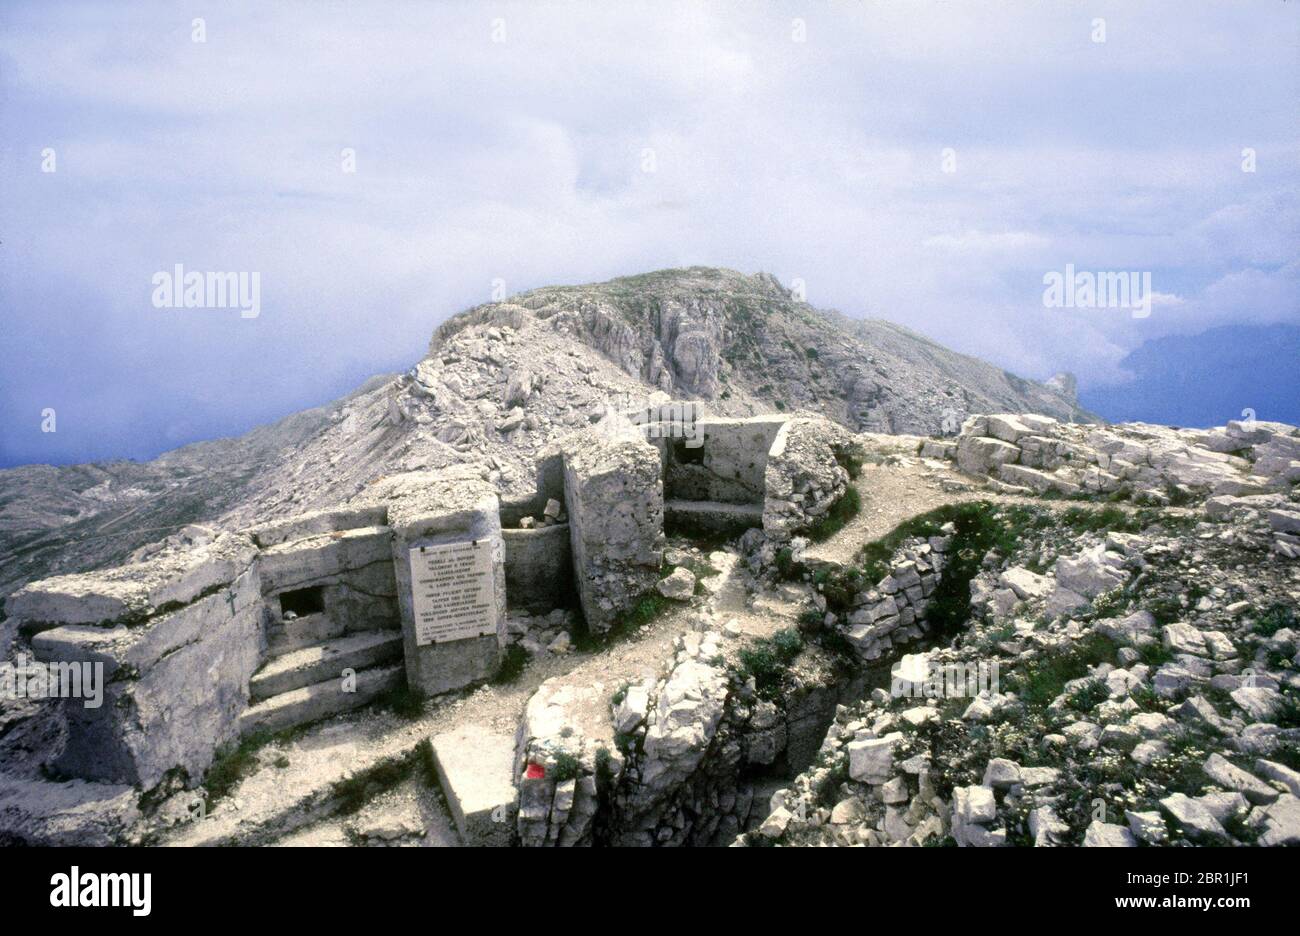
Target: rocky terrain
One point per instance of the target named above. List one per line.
(499, 382)
(1135, 658)
(1147, 694)
(1024, 631)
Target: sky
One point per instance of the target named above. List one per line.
(924, 162)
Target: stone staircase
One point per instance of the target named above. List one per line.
(302, 681)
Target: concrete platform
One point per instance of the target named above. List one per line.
(713, 515)
(305, 631)
(476, 768)
(319, 700)
(301, 668)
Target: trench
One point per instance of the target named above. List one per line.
(807, 708)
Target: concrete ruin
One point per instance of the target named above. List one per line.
(407, 584)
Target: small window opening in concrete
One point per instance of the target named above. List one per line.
(684, 454)
(302, 601)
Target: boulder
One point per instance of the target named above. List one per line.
(678, 586)
(1107, 835)
(872, 760)
(1091, 572)
(1231, 777)
(980, 455)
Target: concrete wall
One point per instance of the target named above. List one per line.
(614, 496)
(180, 636)
(430, 509)
(353, 569)
(177, 670)
(729, 467)
(539, 568)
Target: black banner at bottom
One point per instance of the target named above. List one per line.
(337, 886)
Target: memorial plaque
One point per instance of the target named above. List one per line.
(452, 592)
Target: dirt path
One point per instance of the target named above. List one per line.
(893, 493)
(897, 492)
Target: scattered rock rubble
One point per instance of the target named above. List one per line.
(1148, 695)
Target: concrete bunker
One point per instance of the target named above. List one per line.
(714, 469)
(406, 585)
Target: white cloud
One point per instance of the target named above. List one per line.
(523, 161)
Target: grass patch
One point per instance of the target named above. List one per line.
(841, 512)
(566, 767)
(232, 764)
(428, 768)
(1155, 654)
(1090, 694)
(1043, 679)
(1275, 618)
(851, 462)
(1105, 520)
(354, 792)
(810, 619)
(768, 661)
(1109, 604)
(649, 606)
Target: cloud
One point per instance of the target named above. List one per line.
(527, 161)
(972, 241)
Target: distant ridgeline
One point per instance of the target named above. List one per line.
(1204, 380)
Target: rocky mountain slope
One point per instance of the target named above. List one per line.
(498, 383)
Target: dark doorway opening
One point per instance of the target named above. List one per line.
(685, 454)
(302, 601)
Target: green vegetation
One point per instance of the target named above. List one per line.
(1274, 618)
(232, 764)
(768, 661)
(851, 462)
(649, 606)
(810, 618)
(1090, 694)
(845, 508)
(566, 767)
(428, 768)
(357, 790)
(1041, 680)
(827, 789)
(786, 567)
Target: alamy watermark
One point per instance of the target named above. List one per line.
(1103, 290)
(36, 680)
(177, 289)
(669, 421)
(933, 680)
(90, 889)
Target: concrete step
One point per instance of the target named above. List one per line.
(713, 515)
(476, 770)
(306, 631)
(320, 662)
(319, 700)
